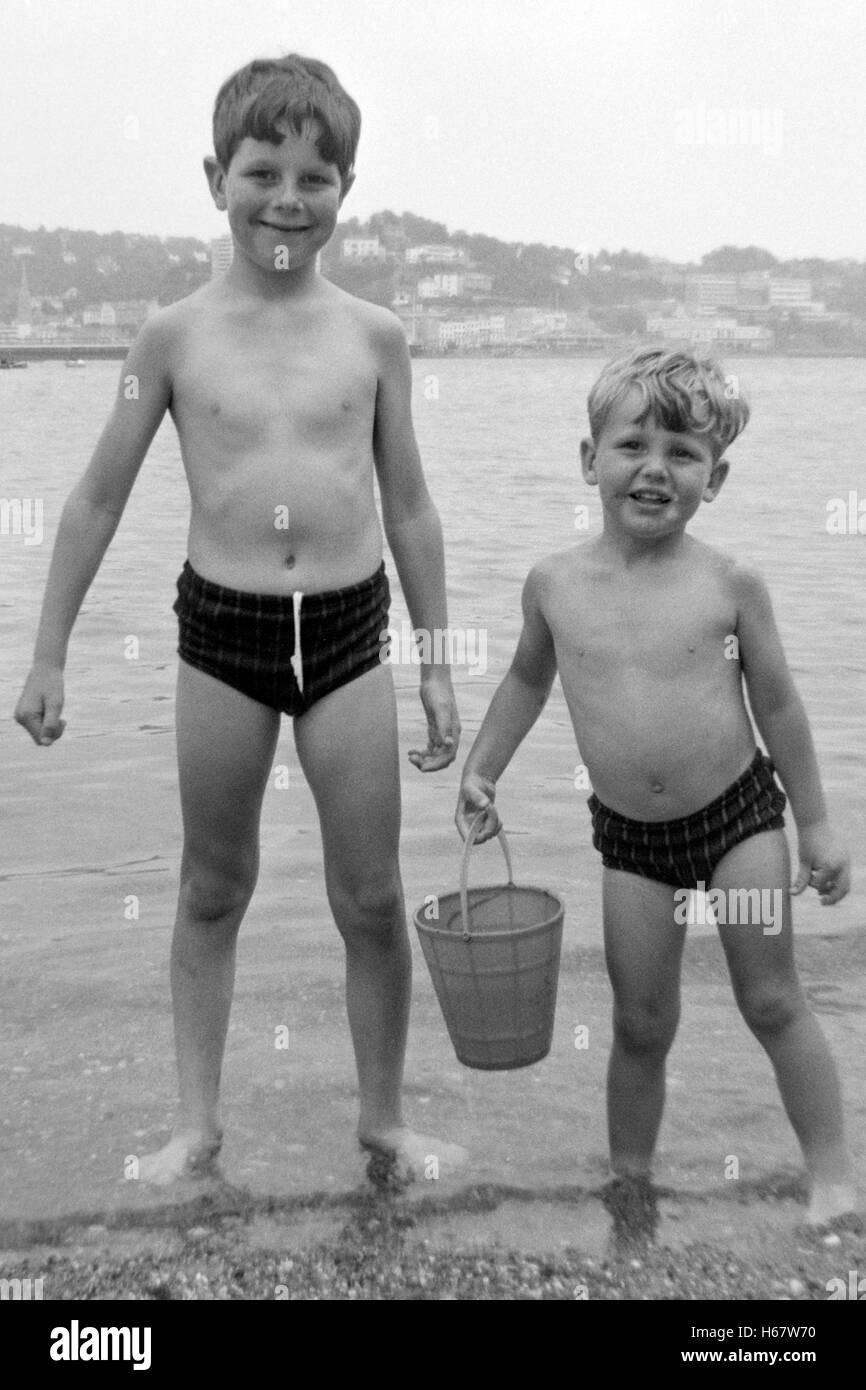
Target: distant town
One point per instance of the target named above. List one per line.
(456, 293)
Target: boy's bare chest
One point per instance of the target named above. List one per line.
(251, 387)
(659, 630)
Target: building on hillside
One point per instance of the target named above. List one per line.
(698, 330)
(357, 248)
(526, 321)
(708, 293)
(435, 255)
(99, 315)
(472, 333)
(441, 286)
(132, 313)
(789, 293)
(465, 284)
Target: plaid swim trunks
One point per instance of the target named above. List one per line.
(283, 650)
(685, 852)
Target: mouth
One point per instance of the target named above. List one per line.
(650, 497)
(286, 231)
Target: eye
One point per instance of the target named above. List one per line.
(630, 444)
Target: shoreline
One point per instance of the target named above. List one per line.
(116, 352)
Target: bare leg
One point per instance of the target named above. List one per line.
(347, 745)
(225, 745)
(643, 948)
(768, 992)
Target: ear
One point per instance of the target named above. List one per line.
(347, 182)
(216, 181)
(720, 472)
(587, 461)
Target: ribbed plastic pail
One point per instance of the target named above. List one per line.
(493, 956)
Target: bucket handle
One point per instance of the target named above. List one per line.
(464, 868)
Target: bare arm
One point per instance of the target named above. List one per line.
(88, 522)
(414, 533)
(518, 702)
(782, 721)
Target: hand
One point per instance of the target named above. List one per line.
(825, 864)
(38, 710)
(443, 726)
(477, 794)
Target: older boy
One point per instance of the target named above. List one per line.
(644, 625)
(287, 395)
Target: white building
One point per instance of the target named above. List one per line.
(453, 285)
(432, 255)
(789, 293)
(102, 315)
(525, 321)
(469, 333)
(682, 328)
(358, 248)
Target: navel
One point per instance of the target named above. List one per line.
(290, 562)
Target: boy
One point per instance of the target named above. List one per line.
(641, 624)
(286, 393)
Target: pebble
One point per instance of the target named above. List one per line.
(796, 1287)
(832, 1240)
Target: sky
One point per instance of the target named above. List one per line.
(663, 126)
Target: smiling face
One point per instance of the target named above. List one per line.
(279, 196)
(651, 480)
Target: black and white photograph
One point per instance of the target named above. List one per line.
(433, 722)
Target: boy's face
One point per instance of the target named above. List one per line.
(279, 196)
(651, 480)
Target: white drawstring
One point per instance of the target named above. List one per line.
(297, 659)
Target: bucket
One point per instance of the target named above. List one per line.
(493, 955)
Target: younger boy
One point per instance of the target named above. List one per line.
(287, 394)
(642, 623)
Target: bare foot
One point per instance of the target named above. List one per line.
(632, 1202)
(830, 1201)
(409, 1156)
(184, 1156)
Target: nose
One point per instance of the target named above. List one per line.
(655, 465)
(287, 195)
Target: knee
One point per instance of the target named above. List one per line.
(368, 905)
(211, 892)
(647, 1028)
(770, 1009)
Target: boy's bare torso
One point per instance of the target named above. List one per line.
(274, 406)
(657, 705)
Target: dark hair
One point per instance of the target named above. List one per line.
(290, 90)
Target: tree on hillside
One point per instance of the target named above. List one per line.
(738, 260)
(422, 232)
